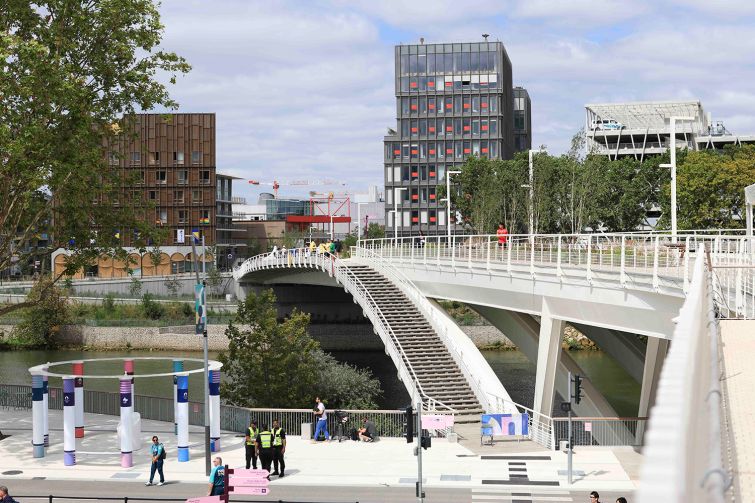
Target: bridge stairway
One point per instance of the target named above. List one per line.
(424, 351)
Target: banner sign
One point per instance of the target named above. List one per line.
(437, 421)
(199, 309)
(506, 424)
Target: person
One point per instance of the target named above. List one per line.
(322, 420)
(265, 448)
(421, 240)
(312, 247)
(274, 253)
(331, 248)
(249, 441)
(368, 431)
(594, 497)
(217, 477)
(5, 497)
(503, 235)
(322, 249)
(158, 457)
(621, 499)
(339, 247)
(279, 449)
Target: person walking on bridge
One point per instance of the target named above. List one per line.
(322, 420)
(503, 235)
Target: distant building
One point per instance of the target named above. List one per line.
(522, 120)
(640, 129)
(369, 208)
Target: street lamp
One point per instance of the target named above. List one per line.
(448, 201)
(672, 124)
(531, 186)
(396, 191)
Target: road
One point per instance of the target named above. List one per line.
(22, 490)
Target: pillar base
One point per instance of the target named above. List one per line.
(127, 459)
(183, 454)
(47, 440)
(79, 432)
(214, 445)
(69, 458)
(39, 451)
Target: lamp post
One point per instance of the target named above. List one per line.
(396, 191)
(672, 125)
(531, 186)
(448, 201)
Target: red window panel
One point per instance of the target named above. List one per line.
(467, 150)
(415, 197)
(449, 106)
(484, 150)
(397, 152)
(466, 105)
(413, 107)
(414, 130)
(412, 84)
(431, 129)
(449, 129)
(430, 83)
(432, 151)
(449, 84)
(431, 106)
(415, 220)
(484, 128)
(466, 128)
(484, 105)
(432, 174)
(414, 174)
(483, 82)
(414, 152)
(432, 197)
(449, 151)
(433, 219)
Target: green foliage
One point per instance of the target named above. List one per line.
(187, 310)
(135, 288)
(152, 309)
(41, 322)
(73, 75)
(461, 313)
(214, 280)
(272, 363)
(173, 285)
(108, 303)
(375, 231)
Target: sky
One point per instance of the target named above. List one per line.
(304, 89)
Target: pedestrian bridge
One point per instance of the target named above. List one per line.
(611, 287)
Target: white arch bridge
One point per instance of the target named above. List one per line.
(624, 291)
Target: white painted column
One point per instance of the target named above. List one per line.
(182, 417)
(37, 416)
(214, 410)
(127, 409)
(178, 366)
(548, 352)
(78, 371)
(46, 407)
(69, 422)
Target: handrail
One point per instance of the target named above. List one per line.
(421, 302)
(347, 278)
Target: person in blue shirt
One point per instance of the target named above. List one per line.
(158, 457)
(217, 478)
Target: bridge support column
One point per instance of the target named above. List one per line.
(655, 355)
(548, 352)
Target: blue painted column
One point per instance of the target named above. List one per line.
(37, 416)
(178, 366)
(69, 422)
(182, 418)
(46, 407)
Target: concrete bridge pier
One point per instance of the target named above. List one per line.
(655, 355)
(548, 353)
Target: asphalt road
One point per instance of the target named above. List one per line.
(78, 491)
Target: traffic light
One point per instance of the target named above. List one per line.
(426, 441)
(409, 424)
(577, 388)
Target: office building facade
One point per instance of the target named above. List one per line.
(453, 101)
(522, 120)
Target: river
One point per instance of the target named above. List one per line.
(513, 369)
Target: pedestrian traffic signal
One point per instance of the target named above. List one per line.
(426, 442)
(409, 424)
(577, 388)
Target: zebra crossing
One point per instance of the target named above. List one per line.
(520, 495)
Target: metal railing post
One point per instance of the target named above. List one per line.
(469, 256)
(508, 255)
(559, 272)
(622, 266)
(487, 259)
(532, 255)
(656, 281)
(438, 252)
(687, 252)
(589, 258)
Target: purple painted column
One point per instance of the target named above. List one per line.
(69, 422)
(127, 440)
(46, 407)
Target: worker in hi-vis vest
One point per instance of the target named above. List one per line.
(265, 448)
(279, 448)
(249, 441)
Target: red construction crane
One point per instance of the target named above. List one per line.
(276, 184)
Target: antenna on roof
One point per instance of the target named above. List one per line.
(485, 36)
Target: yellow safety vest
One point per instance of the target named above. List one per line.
(252, 435)
(277, 440)
(266, 439)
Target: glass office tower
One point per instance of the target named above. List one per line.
(452, 101)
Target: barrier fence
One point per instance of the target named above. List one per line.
(600, 430)
(52, 498)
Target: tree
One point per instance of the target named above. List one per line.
(214, 280)
(73, 73)
(172, 284)
(41, 321)
(375, 231)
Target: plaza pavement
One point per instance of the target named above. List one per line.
(387, 463)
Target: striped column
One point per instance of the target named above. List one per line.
(78, 370)
(178, 366)
(182, 417)
(214, 377)
(69, 422)
(37, 416)
(128, 368)
(46, 407)
(127, 434)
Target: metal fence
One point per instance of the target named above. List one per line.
(126, 499)
(389, 423)
(601, 431)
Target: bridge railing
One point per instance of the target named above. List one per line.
(683, 460)
(302, 257)
(635, 260)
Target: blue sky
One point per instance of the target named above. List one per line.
(304, 89)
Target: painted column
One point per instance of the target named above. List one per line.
(78, 370)
(128, 368)
(548, 352)
(46, 407)
(127, 440)
(182, 417)
(69, 422)
(214, 377)
(37, 416)
(178, 366)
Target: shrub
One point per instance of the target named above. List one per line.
(135, 288)
(151, 308)
(108, 303)
(42, 320)
(187, 310)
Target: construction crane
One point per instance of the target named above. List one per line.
(275, 184)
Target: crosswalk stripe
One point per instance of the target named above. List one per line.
(509, 497)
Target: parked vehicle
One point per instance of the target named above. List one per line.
(606, 125)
